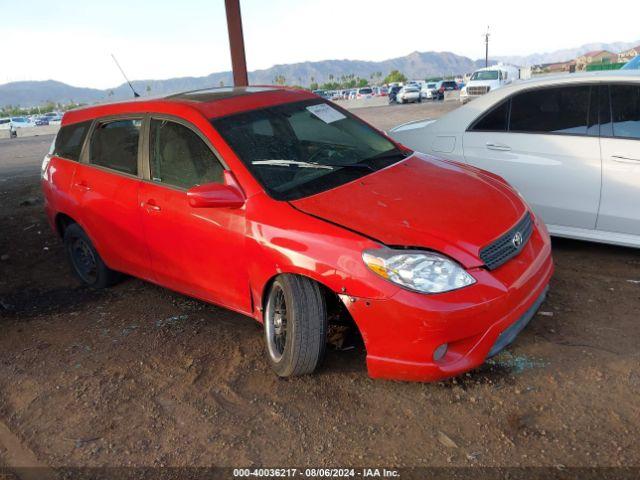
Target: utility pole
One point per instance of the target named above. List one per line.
(486, 47)
(236, 43)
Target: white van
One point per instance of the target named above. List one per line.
(487, 79)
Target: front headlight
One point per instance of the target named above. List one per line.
(420, 271)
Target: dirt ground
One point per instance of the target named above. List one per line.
(138, 375)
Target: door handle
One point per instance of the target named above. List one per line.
(82, 186)
(498, 146)
(623, 159)
(151, 206)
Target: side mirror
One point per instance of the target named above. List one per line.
(217, 195)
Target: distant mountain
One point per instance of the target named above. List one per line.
(28, 94)
(565, 54)
(416, 65)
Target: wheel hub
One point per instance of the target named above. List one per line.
(276, 324)
(84, 260)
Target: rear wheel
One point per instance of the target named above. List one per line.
(85, 260)
(295, 325)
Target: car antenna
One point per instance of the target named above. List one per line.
(135, 94)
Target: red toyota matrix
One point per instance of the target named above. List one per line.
(284, 207)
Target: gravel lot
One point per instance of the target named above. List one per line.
(138, 375)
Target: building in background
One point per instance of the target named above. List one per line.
(627, 55)
(558, 67)
(597, 57)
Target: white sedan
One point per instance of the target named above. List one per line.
(429, 90)
(570, 144)
(408, 93)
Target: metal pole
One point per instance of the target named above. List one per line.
(236, 43)
(486, 48)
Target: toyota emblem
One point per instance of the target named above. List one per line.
(517, 240)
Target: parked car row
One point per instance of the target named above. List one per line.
(15, 123)
(409, 92)
(353, 93)
(418, 91)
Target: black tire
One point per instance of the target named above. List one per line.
(85, 261)
(295, 344)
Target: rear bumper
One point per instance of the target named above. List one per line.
(402, 333)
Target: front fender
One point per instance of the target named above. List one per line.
(282, 239)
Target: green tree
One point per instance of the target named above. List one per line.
(395, 76)
(314, 86)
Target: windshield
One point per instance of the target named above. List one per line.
(365, 91)
(299, 149)
(485, 75)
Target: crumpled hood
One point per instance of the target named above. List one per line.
(423, 202)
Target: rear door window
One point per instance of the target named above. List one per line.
(551, 110)
(70, 139)
(180, 158)
(114, 145)
(625, 110)
(494, 121)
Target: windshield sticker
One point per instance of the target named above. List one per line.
(326, 113)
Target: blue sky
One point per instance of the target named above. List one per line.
(71, 40)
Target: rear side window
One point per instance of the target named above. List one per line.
(179, 157)
(551, 110)
(70, 139)
(494, 121)
(625, 108)
(114, 144)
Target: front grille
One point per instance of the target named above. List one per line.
(507, 247)
(477, 90)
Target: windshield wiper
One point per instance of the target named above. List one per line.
(298, 163)
(359, 166)
(286, 163)
(396, 152)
